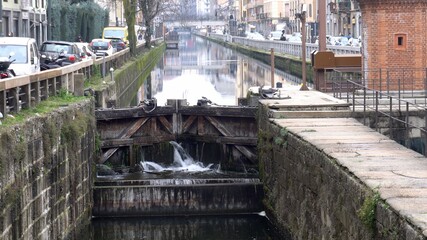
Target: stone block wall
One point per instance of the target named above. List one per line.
(46, 174)
(308, 194)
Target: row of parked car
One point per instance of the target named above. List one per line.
(22, 56)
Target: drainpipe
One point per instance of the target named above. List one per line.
(49, 23)
(1, 18)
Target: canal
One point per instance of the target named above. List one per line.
(198, 69)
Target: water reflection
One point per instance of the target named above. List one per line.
(201, 68)
(186, 228)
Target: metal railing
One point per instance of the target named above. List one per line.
(27, 91)
(283, 47)
(390, 93)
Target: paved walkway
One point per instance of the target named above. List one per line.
(399, 174)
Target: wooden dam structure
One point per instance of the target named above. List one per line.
(233, 128)
(226, 135)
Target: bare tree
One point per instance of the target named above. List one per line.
(130, 12)
(150, 9)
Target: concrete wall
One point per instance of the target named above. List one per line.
(166, 197)
(311, 196)
(46, 175)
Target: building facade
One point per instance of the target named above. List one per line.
(343, 16)
(394, 41)
(24, 18)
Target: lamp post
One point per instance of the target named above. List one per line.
(302, 17)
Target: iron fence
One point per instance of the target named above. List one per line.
(284, 47)
(22, 92)
(390, 93)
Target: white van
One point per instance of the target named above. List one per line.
(23, 51)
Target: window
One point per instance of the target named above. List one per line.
(400, 41)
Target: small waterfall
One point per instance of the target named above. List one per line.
(182, 162)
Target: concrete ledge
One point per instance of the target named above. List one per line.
(311, 114)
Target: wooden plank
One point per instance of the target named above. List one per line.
(187, 124)
(150, 140)
(134, 127)
(136, 112)
(245, 151)
(126, 134)
(117, 142)
(250, 141)
(223, 129)
(153, 124)
(166, 124)
(200, 126)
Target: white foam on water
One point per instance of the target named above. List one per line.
(182, 162)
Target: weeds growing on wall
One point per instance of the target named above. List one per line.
(367, 212)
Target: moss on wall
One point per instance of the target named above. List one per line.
(47, 156)
(286, 63)
(131, 76)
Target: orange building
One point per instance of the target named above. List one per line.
(394, 48)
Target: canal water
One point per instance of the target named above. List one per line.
(199, 69)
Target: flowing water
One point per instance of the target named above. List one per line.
(182, 162)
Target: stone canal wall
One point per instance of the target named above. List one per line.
(287, 63)
(46, 174)
(128, 79)
(308, 193)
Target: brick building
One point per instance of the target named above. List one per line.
(394, 45)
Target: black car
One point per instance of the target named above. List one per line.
(52, 50)
(117, 43)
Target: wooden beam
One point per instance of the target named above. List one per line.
(117, 142)
(187, 124)
(250, 141)
(223, 130)
(136, 112)
(125, 134)
(166, 124)
(134, 127)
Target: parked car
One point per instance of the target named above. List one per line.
(294, 39)
(23, 52)
(85, 49)
(342, 41)
(255, 35)
(117, 43)
(117, 32)
(103, 47)
(52, 50)
(275, 35)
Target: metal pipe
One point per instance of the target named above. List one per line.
(272, 67)
(407, 126)
(390, 120)
(376, 111)
(364, 105)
